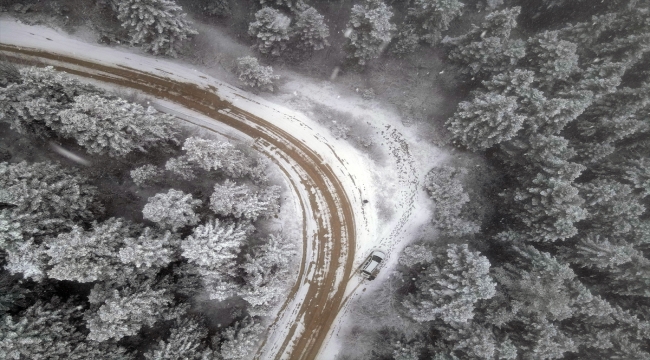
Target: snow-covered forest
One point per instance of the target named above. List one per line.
(538, 247)
(110, 259)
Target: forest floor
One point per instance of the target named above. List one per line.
(354, 165)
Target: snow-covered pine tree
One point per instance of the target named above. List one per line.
(222, 156)
(124, 312)
(46, 199)
(145, 175)
(27, 105)
(49, 331)
(254, 75)
(240, 201)
(240, 340)
(487, 120)
(181, 167)
(461, 269)
(214, 248)
(270, 30)
(487, 49)
(219, 8)
(159, 26)
(172, 210)
(150, 249)
(369, 31)
(185, 342)
(445, 187)
(310, 31)
(267, 274)
(112, 126)
(434, 16)
(28, 259)
(88, 256)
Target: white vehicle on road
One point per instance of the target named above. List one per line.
(370, 267)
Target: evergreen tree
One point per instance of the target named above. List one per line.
(89, 256)
(444, 185)
(172, 210)
(219, 8)
(145, 175)
(434, 17)
(370, 31)
(49, 331)
(150, 249)
(310, 31)
(45, 199)
(42, 92)
(124, 312)
(181, 167)
(214, 248)
(241, 201)
(185, 342)
(553, 59)
(488, 49)
(271, 31)
(254, 75)
(222, 156)
(267, 271)
(450, 287)
(158, 26)
(113, 127)
(487, 120)
(240, 339)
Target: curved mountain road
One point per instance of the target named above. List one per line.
(329, 242)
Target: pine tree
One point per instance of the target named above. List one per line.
(114, 127)
(449, 288)
(310, 31)
(89, 256)
(434, 17)
(241, 201)
(124, 312)
(159, 26)
(28, 259)
(554, 59)
(267, 271)
(487, 120)
(222, 156)
(370, 31)
(185, 342)
(172, 210)
(487, 49)
(271, 31)
(42, 92)
(444, 185)
(49, 331)
(45, 198)
(214, 248)
(254, 75)
(145, 175)
(416, 254)
(289, 4)
(150, 249)
(181, 167)
(219, 8)
(240, 339)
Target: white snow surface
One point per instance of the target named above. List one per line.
(395, 183)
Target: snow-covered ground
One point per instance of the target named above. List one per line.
(371, 186)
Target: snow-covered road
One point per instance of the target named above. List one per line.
(330, 177)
